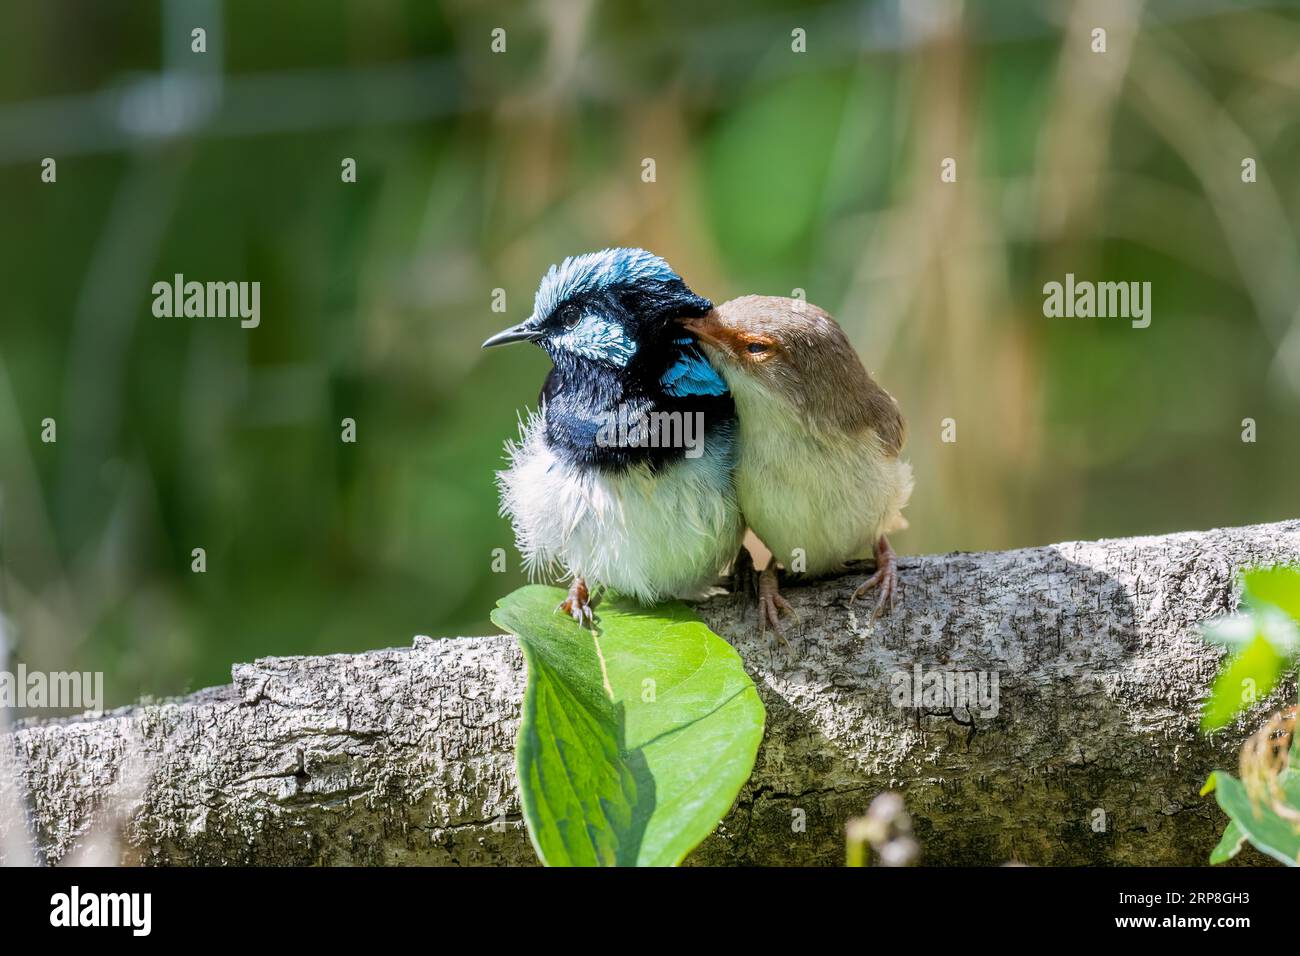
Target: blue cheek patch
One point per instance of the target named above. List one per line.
(692, 374)
(596, 338)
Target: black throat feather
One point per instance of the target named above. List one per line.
(612, 419)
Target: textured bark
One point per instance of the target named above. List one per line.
(406, 756)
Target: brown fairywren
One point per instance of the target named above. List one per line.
(818, 475)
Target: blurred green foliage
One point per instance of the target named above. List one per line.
(775, 171)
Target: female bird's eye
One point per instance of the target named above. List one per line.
(756, 348)
(570, 317)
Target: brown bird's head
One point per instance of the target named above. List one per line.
(768, 347)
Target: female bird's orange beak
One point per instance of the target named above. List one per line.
(708, 329)
(735, 342)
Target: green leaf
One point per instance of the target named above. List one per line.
(1267, 832)
(1209, 784)
(1278, 586)
(634, 740)
(1245, 678)
(1229, 845)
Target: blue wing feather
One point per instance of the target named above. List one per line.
(692, 374)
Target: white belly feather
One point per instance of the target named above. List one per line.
(648, 535)
(815, 498)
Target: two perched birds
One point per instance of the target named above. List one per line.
(668, 426)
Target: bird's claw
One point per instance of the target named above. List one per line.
(769, 609)
(581, 613)
(579, 605)
(885, 579)
(771, 604)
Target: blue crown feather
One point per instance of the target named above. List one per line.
(594, 270)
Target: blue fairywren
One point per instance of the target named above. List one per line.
(623, 476)
(819, 479)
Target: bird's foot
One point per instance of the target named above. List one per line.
(743, 573)
(885, 579)
(579, 605)
(771, 604)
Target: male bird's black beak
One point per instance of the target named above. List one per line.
(523, 332)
